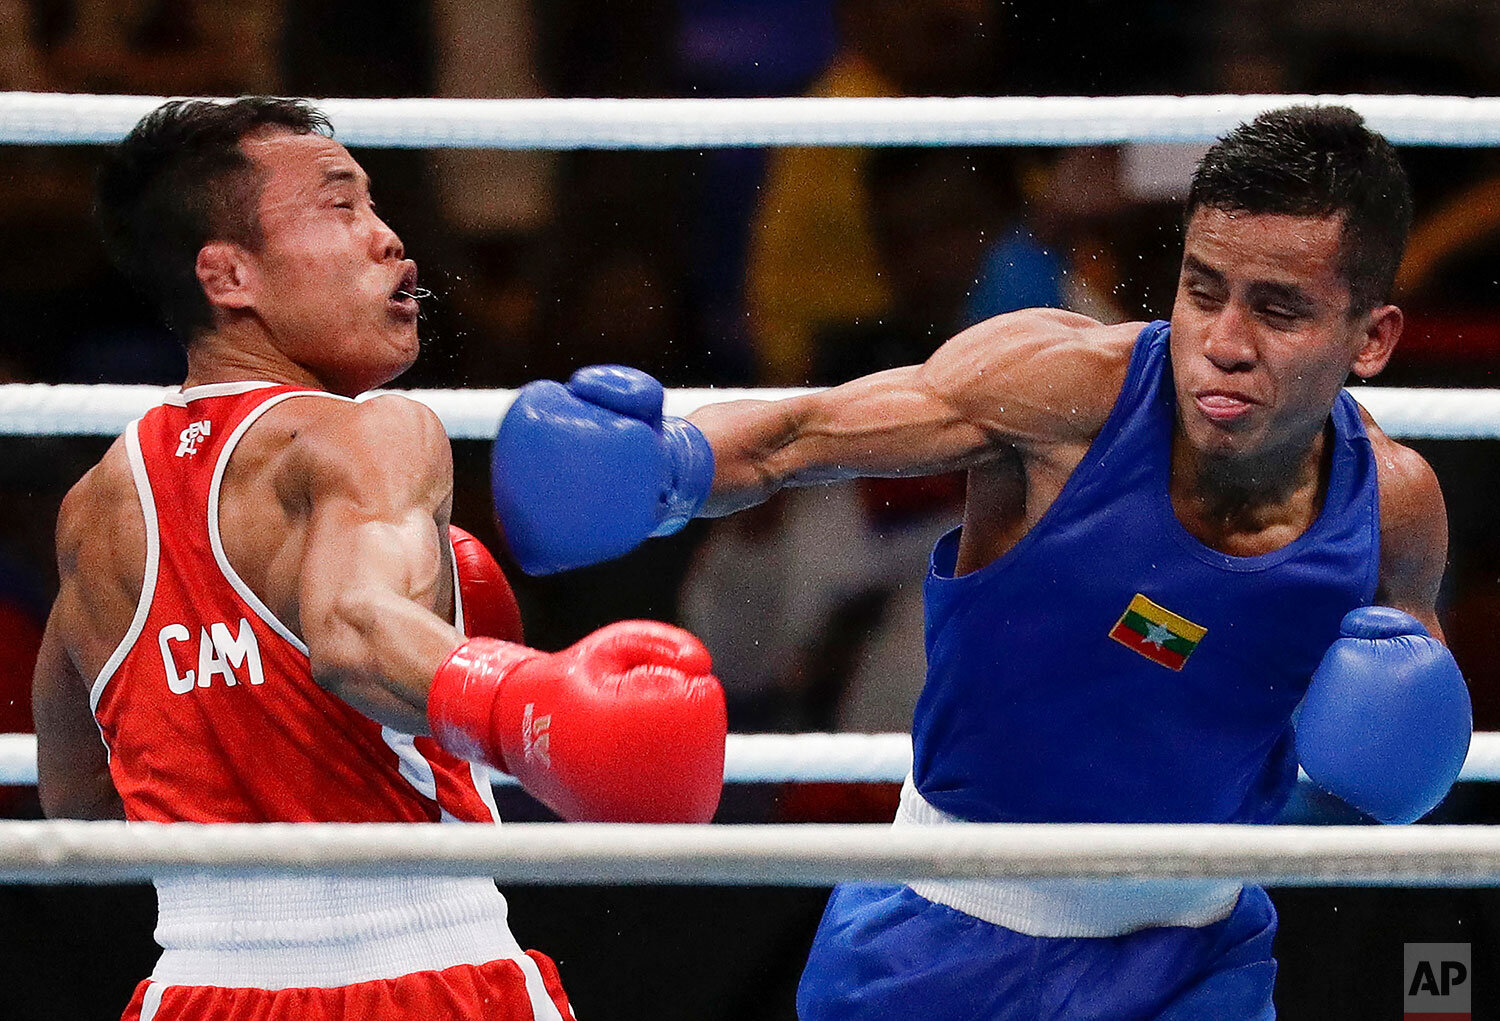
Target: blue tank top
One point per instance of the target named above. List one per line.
(1112, 668)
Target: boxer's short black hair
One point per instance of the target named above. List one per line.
(1317, 161)
(179, 180)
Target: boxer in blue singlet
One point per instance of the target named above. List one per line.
(1188, 561)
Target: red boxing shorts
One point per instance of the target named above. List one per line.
(497, 991)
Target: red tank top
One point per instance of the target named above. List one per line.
(208, 706)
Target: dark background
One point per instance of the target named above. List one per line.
(744, 267)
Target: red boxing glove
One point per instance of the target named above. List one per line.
(627, 725)
(489, 605)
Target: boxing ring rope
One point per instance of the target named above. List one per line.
(782, 758)
(42, 409)
(762, 855)
(749, 758)
(60, 119)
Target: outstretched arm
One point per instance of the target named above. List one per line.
(585, 472)
(1027, 379)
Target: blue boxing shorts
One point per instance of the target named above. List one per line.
(885, 952)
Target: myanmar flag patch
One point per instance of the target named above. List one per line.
(1157, 633)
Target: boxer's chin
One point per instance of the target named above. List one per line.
(404, 354)
(382, 361)
(402, 323)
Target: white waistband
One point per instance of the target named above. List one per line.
(1065, 907)
(280, 933)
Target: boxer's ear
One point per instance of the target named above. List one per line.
(1382, 330)
(227, 278)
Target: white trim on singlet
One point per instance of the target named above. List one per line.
(182, 398)
(411, 763)
(481, 776)
(415, 769)
(230, 574)
(458, 592)
(148, 579)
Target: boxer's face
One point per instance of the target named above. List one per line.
(1262, 334)
(326, 274)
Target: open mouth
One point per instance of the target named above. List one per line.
(406, 297)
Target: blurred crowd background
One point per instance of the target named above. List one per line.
(749, 267)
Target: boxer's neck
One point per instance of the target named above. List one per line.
(1223, 502)
(235, 354)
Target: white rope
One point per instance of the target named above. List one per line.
(18, 759)
(1433, 414)
(784, 855)
(782, 758)
(42, 409)
(37, 118)
(748, 758)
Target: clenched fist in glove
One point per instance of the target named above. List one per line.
(1386, 721)
(627, 725)
(586, 472)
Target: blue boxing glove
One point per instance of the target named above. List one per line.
(586, 472)
(1386, 721)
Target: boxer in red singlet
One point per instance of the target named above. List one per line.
(263, 611)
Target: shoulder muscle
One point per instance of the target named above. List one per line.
(102, 504)
(390, 448)
(1413, 527)
(1035, 377)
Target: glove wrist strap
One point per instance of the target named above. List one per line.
(691, 461)
(460, 703)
